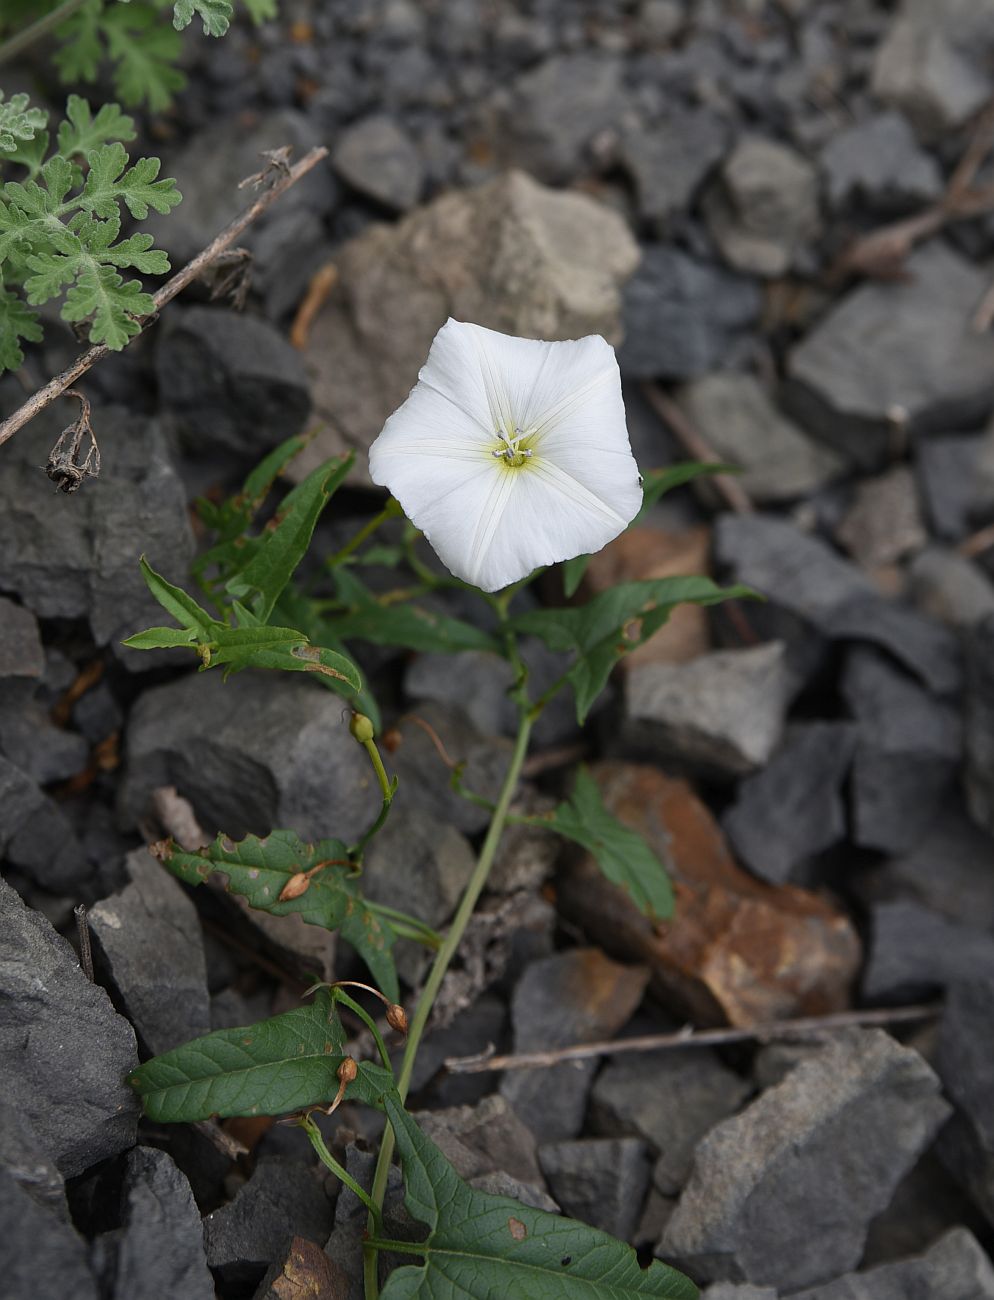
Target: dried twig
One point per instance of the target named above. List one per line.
(321, 285)
(224, 1142)
(808, 1026)
(58, 385)
(83, 930)
(977, 542)
(690, 439)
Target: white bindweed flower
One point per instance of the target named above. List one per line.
(511, 453)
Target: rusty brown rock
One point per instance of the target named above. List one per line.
(306, 1273)
(657, 553)
(737, 949)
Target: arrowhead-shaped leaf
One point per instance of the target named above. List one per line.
(481, 1246)
(408, 625)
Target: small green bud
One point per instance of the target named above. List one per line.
(361, 728)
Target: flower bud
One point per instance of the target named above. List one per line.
(294, 887)
(397, 1018)
(347, 1071)
(361, 728)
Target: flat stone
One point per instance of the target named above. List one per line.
(835, 1137)
(379, 159)
(896, 350)
(35, 834)
(484, 1138)
(670, 1100)
(908, 754)
(964, 1062)
(743, 427)
(793, 808)
(77, 556)
(159, 1248)
(954, 1268)
(884, 523)
(259, 751)
(949, 588)
(682, 316)
(511, 255)
(738, 1291)
(149, 939)
(67, 1051)
(670, 159)
(979, 722)
(30, 739)
(577, 996)
(554, 110)
(947, 472)
(24, 1158)
(44, 1256)
(21, 654)
(232, 381)
(913, 951)
(600, 1181)
(739, 952)
(721, 713)
(880, 163)
(282, 1200)
(763, 210)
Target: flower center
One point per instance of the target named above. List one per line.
(511, 450)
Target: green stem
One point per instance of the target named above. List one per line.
(398, 1247)
(28, 35)
(358, 1010)
(410, 926)
(387, 789)
(390, 511)
(329, 1161)
(440, 965)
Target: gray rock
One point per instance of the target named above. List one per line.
(933, 63)
(35, 834)
(344, 1246)
(21, 654)
(482, 1139)
(965, 1064)
(233, 381)
(259, 751)
(500, 1184)
(77, 556)
(158, 1252)
(554, 110)
(148, 937)
(763, 209)
(671, 1100)
(901, 351)
(282, 1200)
(793, 809)
(736, 1291)
(30, 739)
(913, 951)
(979, 720)
(475, 1029)
(43, 1256)
(600, 1181)
(65, 1051)
(682, 317)
(24, 1158)
(209, 168)
(834, 1137)
(948, 871)
(512, 256)
(722, 713)
(954, 1268)
(378, 158)
(947, 470)
(669, 159)
(569, 997)
(742, 426)
(879, 162)
(804, 577)
(908, 755)
(883, 524)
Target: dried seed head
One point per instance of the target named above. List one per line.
(361, 728)
(294, 887)
(347, 1071)
(397, 1018)
(391, 739)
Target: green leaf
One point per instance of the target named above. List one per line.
(265, 474)
(484, 1246)
(30, 154)
(17, 321)
(657, 483)
(261, 10)
(161, 638)
(408, 624)
(81, 131)
(615, 623)
(278, 1065)
(144, 52)
(183, 608)
(19, 122)
(258, 870)
(81, 50)
(281, 648)
(621, 854)
(287, 538)
(111, 181)
(216, 15)
(109, 303)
